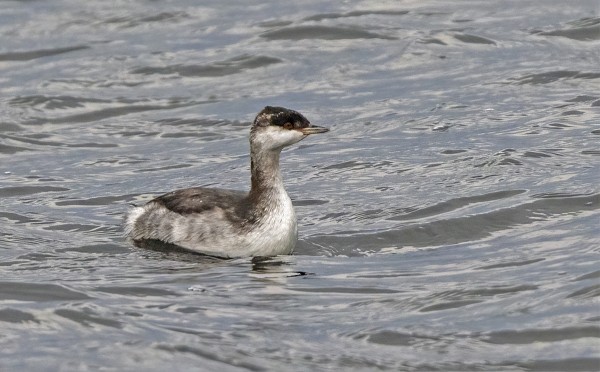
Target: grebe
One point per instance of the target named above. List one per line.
(227, 223)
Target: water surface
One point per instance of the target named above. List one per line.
(449, 220)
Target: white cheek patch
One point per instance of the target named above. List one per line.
(292, 136)
(274, 137)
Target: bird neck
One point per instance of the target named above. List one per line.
(266, 175)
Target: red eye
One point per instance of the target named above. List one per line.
(288, 126)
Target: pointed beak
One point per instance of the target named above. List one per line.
(313, 129)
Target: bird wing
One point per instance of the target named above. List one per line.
(200, 199)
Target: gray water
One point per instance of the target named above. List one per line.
(449, 220)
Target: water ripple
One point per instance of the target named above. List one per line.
(221, 68)
(34, 54)
(553, 76)
(322, 32)
(585, 29)
(355, 13)
(39, 292)
(463, 229)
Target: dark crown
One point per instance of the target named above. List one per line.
(279, 116)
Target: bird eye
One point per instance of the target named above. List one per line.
(288, 125)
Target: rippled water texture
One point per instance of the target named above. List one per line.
(449, 221)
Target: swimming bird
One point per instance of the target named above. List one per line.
(228, 223)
